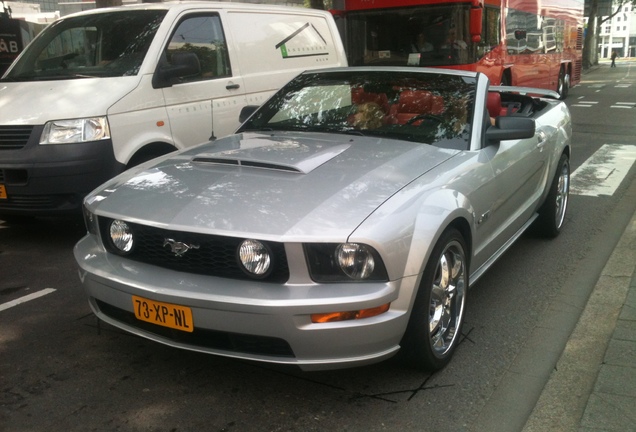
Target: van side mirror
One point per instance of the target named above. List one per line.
(510, 128)
(184, 64)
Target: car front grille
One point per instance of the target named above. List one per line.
(214, 255)
(14, 137)
(234, 342)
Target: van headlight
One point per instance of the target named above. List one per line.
(75, 131)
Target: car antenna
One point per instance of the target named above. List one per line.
(212, 137)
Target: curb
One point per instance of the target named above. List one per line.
(593, 385)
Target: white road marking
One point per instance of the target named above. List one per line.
(26, 298)
(585, 104)
(621, 106)
(626, 103)
(604, 171)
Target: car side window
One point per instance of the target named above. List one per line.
(202, 34)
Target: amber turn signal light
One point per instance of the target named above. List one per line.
(349, 315)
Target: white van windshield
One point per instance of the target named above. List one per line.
(107, 44)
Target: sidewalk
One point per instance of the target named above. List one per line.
(593, 386)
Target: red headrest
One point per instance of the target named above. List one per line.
(494, 104)
(415, 101)
(359, 96)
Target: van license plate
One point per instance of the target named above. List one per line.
(3, 192)
(163, 314)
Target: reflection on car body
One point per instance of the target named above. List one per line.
(306, 239)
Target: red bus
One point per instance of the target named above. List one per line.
(529, 43)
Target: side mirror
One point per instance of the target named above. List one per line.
(246, 112)
(510, 128)
(475, 26)
(184, 64)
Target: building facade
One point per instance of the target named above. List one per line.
(618, 34)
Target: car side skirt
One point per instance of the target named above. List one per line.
(474, 277)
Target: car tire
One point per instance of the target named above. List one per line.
(552, 212)
(434, 327)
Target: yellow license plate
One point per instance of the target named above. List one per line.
(3, 192)
(163, 314)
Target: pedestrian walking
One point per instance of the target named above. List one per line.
(614, 55)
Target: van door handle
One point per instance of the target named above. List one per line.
(232, 86)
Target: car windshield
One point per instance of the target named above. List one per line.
(432, 108)
(95, 45)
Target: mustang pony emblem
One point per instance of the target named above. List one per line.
(178, 248)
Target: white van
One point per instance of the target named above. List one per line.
(99, 91)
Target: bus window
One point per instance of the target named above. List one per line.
(421, 36)
(490, 31)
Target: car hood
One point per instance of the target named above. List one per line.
(273, 186)
(36, 102)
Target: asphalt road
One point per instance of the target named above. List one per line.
(61, 370)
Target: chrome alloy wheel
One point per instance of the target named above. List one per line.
(562, 195)
(447, 299)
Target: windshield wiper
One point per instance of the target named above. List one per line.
(352, 132)
(48, 77)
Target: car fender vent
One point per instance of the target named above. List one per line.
(246, 163)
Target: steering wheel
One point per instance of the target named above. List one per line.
(423, 117)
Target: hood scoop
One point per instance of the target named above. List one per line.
(299, 156)
(245, 163)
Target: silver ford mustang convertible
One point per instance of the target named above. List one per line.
(343, 222)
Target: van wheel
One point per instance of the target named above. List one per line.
(434, 327)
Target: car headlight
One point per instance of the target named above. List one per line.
(355, 260)
(344, 262)
(75, 131)
(255, 258)
(121, 236)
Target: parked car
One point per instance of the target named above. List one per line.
(103, 90)
(320, 238)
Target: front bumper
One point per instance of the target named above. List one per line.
(44, 180)
(248, 319)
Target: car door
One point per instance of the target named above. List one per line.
(520, 168)
(206, 105)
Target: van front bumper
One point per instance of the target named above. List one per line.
(50, 180)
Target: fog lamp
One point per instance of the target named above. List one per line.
(121, 235)
(255, 257)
